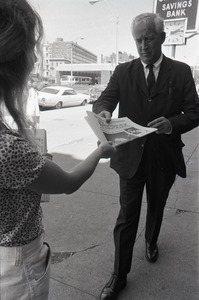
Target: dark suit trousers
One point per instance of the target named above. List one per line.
(158, 181)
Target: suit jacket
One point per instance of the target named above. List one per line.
(174, 97)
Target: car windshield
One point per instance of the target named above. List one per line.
(50, 91)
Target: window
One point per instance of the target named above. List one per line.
(69, 92)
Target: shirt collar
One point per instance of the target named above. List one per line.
(156, 64)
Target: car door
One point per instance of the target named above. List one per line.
(74, 98)
(67, 98)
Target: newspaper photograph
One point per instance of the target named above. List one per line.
(118, 131)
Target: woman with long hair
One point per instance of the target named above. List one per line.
(24, 173)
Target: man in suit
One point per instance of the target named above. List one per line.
(154, 91)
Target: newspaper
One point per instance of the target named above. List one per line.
(118, 131)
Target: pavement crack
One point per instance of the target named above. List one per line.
(180, 211)
(188, 159)
(58, 257)
(89, 248)
(74, 287)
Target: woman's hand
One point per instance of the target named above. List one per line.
(107, 150)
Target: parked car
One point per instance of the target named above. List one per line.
(60, 96)
(95, 92)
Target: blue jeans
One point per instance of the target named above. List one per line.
(25, 271)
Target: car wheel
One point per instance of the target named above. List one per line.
(58, 105)
(84, 103)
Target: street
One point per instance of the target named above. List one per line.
(68, 131)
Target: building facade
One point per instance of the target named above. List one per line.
(122, 57)
(71, 51)
(62, 53)
(67, 58)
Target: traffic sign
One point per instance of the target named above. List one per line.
(178, 9)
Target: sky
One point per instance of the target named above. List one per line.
(94, 26)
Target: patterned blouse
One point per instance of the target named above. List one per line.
(20, 211)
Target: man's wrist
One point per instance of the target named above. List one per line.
(170, 131)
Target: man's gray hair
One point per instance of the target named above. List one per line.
(149, 18)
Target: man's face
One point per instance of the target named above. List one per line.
(148, 42)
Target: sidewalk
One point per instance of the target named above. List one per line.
(79, 229)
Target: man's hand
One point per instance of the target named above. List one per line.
(162, 124)
(106, 115)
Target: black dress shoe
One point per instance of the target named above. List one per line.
(113, 287)
(151, 252)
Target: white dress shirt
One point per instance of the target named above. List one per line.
(156, 67)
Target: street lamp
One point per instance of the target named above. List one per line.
(92, 2)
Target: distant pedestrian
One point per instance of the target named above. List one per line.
(155, 91)
(25, 174)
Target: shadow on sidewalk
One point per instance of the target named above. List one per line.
(67, 218)
(79, 229)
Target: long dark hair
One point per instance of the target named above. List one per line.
(21, 31)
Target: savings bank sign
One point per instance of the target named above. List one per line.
(171, 9)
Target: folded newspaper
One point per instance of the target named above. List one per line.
(118, 131)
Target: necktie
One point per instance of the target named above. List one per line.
(150, 77)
